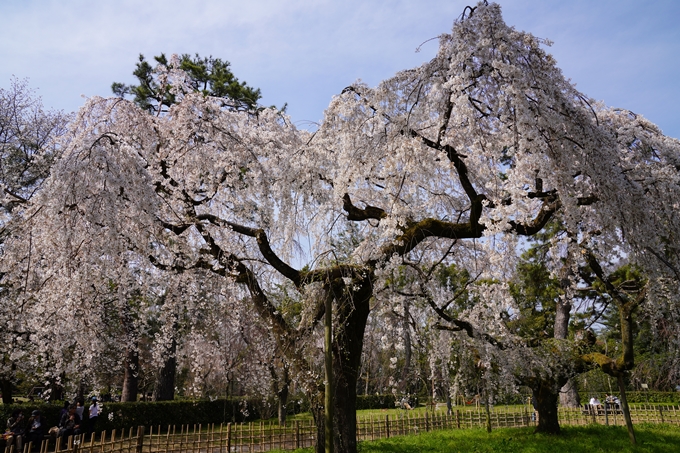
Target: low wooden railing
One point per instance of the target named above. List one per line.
(266, 436)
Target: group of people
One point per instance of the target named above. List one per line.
(609, 400)
(72, 421)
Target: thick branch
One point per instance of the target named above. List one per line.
(541, 219)
(263, 244)
(357, 214)
(459, 326)
(415, 233)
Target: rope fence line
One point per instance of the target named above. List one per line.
(266, 436)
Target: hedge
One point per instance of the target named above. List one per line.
(375, 402)
(125, 415)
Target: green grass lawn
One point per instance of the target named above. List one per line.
(583, 439)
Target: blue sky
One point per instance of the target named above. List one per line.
(302, 52)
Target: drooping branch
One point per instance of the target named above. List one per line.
(263, 244)
(458, 325)
(19, 198)
(457, 160)
(285, 336)
(665, 261)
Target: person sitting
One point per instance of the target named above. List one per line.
(36, 428)
(69, 425)
(64, 409)
(594, 401)
(16, 426)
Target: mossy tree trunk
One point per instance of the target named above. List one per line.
(546, 394)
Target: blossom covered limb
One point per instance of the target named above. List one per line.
(263, 243)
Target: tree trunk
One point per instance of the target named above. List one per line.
(80, 396)
(282, 400)
(487, 409)
(352, 308)
(317, 409)
(164, 389)
(56, 392)
(6, 388)
(569, 396)
(131, 377)
(545, 396)
(280, 386)
(625, 409)
(348, 340)
(406, 327)
(352, 302)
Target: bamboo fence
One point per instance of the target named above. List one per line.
(266, 436)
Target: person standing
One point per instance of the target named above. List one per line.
(80, 407)
(93, 415)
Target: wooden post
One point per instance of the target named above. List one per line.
(220, 437)
(297, 434)
(167, 439)
(387, 426)
(606, 414)
(661, 413)
(240, 436)
(102, 439)
(458, 418)
(140, 439)
(229, 437)
(427, 421)
(262, 432)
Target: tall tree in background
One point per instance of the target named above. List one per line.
(207, 75)
(29, 137)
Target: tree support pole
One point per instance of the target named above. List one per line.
(328, 359)
(625, 409)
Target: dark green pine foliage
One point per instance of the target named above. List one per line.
(208, 75)
(535, 290)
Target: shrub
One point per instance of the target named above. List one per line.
(125, 415)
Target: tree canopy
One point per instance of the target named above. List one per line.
(449, 163)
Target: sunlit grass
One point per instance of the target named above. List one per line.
(594, 438)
